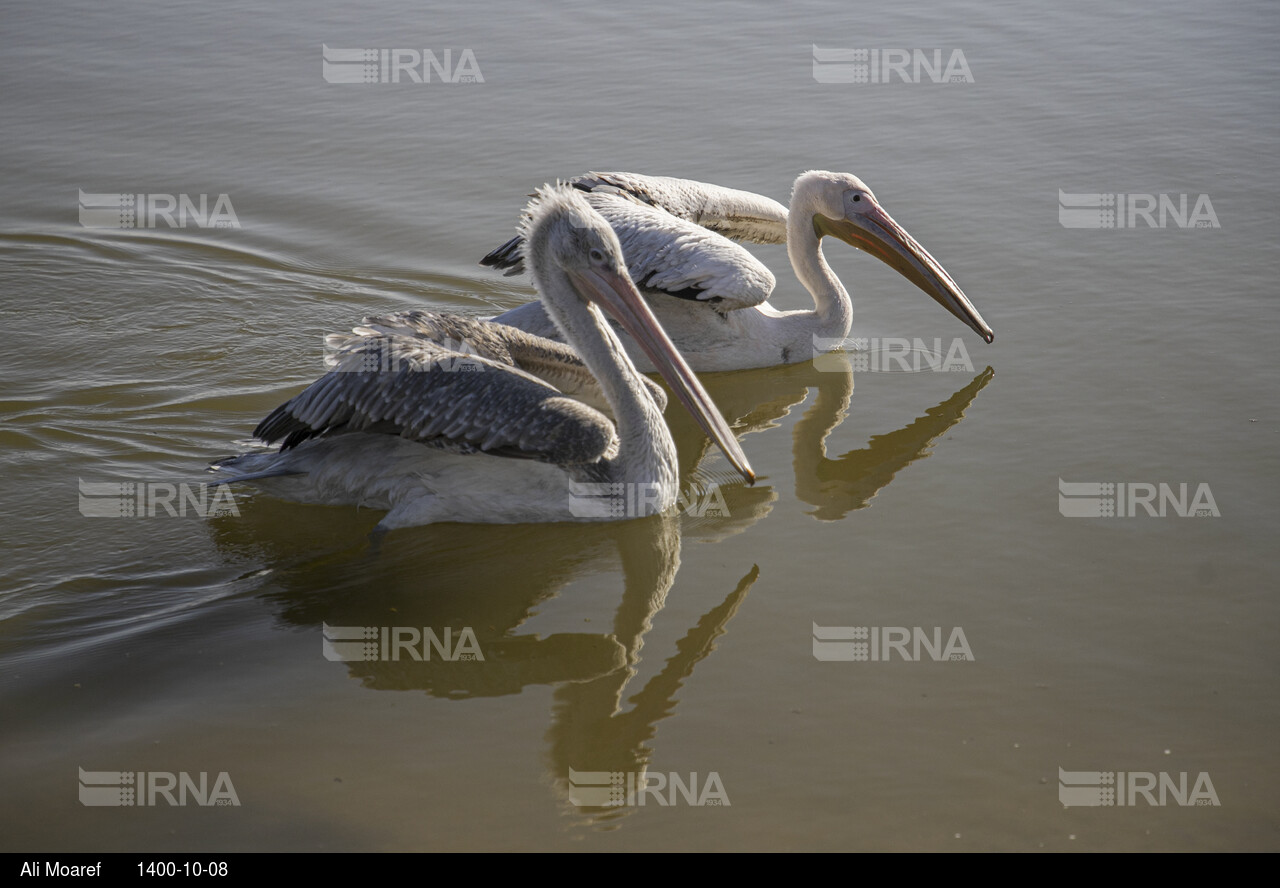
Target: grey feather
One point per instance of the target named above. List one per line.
(453, 399)
(677, 237)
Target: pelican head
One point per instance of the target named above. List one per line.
(842, 206)
(578, 265)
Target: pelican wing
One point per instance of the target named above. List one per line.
(668, 254)
(681, 258)
(454, 400)
(738, 215)
(553, 362)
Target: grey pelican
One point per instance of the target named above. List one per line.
(677, 235)
(434, 432)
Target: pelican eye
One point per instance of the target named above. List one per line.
(858, 202)
(597, 255)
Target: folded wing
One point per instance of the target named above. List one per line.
(677, 237)
(452, 399)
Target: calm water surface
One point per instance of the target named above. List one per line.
(681, 645)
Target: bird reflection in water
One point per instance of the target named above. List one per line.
(461, 575)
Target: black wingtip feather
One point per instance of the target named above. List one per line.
(506, 257)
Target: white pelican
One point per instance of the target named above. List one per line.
(429, 432)
(675, 234)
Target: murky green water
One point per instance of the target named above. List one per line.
(681, 647)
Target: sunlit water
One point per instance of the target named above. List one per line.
(682, 644)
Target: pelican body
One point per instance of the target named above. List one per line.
(678, 237)
(440, 418)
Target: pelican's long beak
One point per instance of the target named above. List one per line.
(617, 295)
(875, 232)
